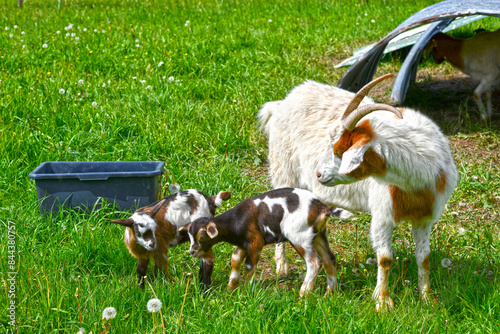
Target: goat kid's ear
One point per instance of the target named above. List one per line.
(212, 230)
(222, 196)
(129, 222)
(351, 159)
(185, 228)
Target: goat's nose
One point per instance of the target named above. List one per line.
(318, 174)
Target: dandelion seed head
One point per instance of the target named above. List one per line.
(269, 21)
(371, 261)
(109, 313)
(160, 64)
(187, 23)
(461, 230)
(137, 46)
(372, 21)
(174, 188)
(80, 81)
(62, 91)
(154, 305)
(94, 104)
(171, 79)
(22, 32)
(149, 87)
(45, 46)
(6, 28)
(15, 26)
(446, 262)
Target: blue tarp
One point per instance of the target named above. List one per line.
(440, 15)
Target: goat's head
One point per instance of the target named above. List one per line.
(202, 233)
(144, 227)
(350, 157)
(434, 47)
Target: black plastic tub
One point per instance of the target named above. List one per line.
(75, 184)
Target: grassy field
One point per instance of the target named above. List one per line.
(181, 82)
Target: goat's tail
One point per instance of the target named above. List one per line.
(265, 114)
(340, 213)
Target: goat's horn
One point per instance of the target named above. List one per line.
(353, 119)
(362, 93)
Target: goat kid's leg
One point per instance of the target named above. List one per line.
(313, 264)
(237, 258)
(421, 236)
(381, 236)
(280, 259)
(142, 268)
(206, 268)
(321, 247)
(161, 263)
(478, 92)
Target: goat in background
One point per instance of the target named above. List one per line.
(478, 56)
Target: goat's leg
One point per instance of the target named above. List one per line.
(313, 264)
(237, 258)
(421, 236)
(142, 268)
(253, 255)
(478, 92)
(321, 247)
(381, 236)
(161, 263)
(206, 268)
(280, 259)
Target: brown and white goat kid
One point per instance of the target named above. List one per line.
(287, 214)
(153, 229)
(478, 56)
(395, 165)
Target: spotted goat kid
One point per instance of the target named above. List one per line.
(286, 214)
(153, 229)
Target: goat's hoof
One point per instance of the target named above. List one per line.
(429, 298)
(233, 284)
(384, 304)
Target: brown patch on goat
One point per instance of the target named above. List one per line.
(193, 203)
(300, 250)
(411, 205)
(373, 165)
(426, 264)
(358, 137)
(441, 181)
(385, 262)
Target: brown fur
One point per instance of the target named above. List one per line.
(411, 205)
(441, 182)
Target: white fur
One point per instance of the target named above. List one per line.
(302, 130)
(144, 223)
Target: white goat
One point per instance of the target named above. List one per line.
(478, 56)
(396, 166)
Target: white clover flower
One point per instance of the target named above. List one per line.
(154, 305)
(174, 188)
(80, 81)
(446, 262)
(366, 14)
(77, 38)
(58, 32)
(109, 313)
(137, 40)
(6, 28)
(137, 46)
(269, 21)
(103, 85)
(371, 261)
(160, 64)
(73, 34)
(372, 21)
(68, 34)
(171, 79)
(22, 32)
(149, 87)
(62, 91)
(15, 26)
(84, 29)
(187, 23)
(475, 177)
(134, 78)
(143, 81)
(81, 331)
(461, 230)
(94, 104)
(45, 46)
(10, 35)
(95, 30)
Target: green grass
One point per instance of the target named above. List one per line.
(187, 93)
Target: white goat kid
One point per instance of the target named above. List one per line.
(396, 166)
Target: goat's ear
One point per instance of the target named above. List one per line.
(222, 196)
(212, 230)
(351, 159)
(185, 228)
(129, 222)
